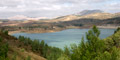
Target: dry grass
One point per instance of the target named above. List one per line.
(21, 55)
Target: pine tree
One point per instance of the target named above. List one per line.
(91, 49)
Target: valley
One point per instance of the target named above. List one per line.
(59, 29)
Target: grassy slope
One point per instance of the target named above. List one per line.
(17, 48)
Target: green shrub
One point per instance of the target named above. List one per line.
(28, 58)
(22, 50)
(3, 50)
(6, 32)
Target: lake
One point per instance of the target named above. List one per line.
(65, 37)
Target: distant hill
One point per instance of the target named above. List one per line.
(111, 21)
(89, 14)
(97, 16)
(86, 12)
(101, 16)
(64, 18)
(117, 14)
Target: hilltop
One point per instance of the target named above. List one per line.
(87, 12)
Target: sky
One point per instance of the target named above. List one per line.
(54, 8)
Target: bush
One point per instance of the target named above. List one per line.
(22, 50)
(28, 58)
(6, 32)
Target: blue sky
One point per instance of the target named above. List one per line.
(54, 8)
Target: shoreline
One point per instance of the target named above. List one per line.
(108, 27)
(45, 31)
(50, 31)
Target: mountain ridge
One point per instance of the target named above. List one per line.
(86, 12)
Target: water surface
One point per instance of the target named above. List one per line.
(65, 37)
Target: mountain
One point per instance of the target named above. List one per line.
(82, 14)
(117, 14)
(101, 16)
(86, 12)
(62, 18)
(97, 16)
(93, 14)
(65, 18)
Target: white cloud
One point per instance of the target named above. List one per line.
(51, 8)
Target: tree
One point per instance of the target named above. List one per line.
(36, 45)
(3, 50)
(66, 51)
(93, 48)
(42, 43)
(118, 29)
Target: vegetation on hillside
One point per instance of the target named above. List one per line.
(42, 48)
(3, 50)
(41, 27)
(95, 48)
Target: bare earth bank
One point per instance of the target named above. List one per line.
(56, 30)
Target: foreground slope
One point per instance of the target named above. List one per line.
(16, 49)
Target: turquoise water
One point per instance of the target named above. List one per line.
(65, 37)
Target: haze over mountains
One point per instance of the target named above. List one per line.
(89, 14)
(22, 17)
